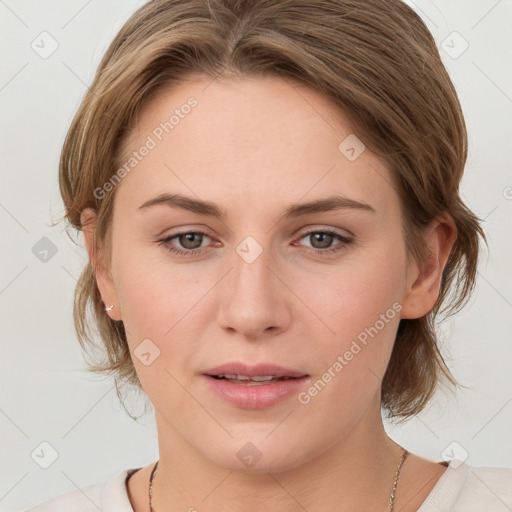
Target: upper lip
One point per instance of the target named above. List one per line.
(262, 369)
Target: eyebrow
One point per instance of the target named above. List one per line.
(295, 210)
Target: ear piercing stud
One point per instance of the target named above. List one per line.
(109, 308)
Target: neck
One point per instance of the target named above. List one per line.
(357, 473)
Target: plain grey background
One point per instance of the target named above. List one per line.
(50, 51)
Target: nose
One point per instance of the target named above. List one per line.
(255, 299)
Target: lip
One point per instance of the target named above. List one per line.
(254, 397)
(239, 368)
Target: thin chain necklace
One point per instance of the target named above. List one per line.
(397, 476)
(391, 498)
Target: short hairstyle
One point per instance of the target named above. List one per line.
(375, 59)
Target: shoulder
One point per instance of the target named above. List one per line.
(107, 496)
(468, 488)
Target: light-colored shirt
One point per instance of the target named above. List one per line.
(461, 488)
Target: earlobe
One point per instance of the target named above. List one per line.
(103, 278)
(424, 282)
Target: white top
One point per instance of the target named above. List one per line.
(461, 488)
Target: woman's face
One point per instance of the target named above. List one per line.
(262, 285)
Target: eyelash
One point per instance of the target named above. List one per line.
(320, 252)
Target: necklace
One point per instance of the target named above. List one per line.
(391, 498)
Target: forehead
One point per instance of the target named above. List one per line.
(252, 138)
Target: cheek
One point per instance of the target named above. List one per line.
(162, 327)
(163, 311)
(352, 295)
(359, 305)
(153, 293)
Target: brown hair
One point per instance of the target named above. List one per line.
(375, 59)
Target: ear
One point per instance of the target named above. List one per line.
(424, 281)
(101, 268)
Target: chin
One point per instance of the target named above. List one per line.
(258, 457)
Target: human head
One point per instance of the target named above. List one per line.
(375, 60)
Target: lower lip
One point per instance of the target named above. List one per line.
(258, 396)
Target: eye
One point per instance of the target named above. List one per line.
(322, 240)
(190, 240)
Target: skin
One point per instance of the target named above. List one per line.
(254, 146)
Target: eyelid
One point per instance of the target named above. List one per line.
(187, 228)
(325, 229)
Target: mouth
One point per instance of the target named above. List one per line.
(256, 380)
(253, 375)
(254, 386)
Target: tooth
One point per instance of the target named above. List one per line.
(257, 378)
